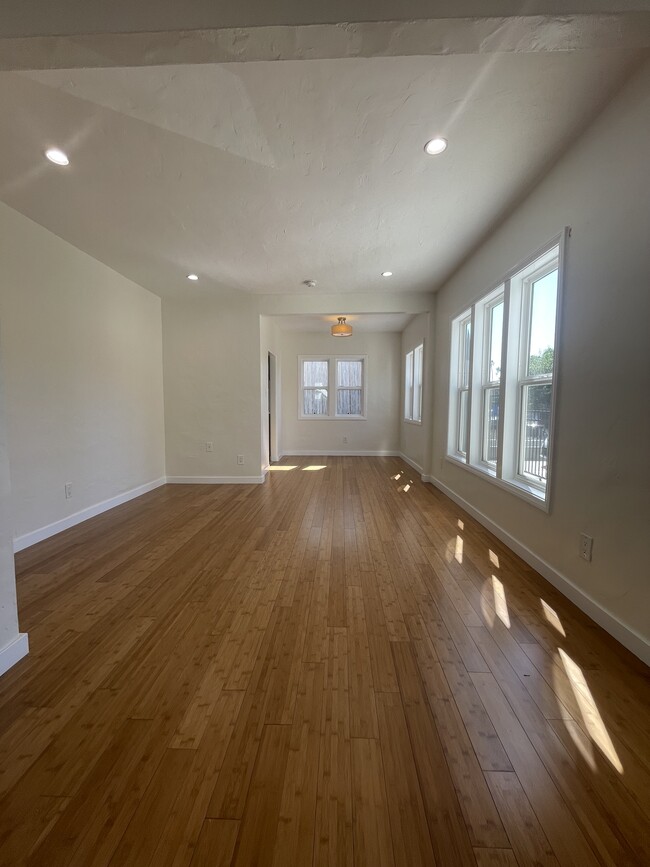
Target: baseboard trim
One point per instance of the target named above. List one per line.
(14, 652)
(626, 636)
(352, 453)
(411, 463)
(215, 480)
(28, 539)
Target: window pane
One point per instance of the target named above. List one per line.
(491, 425)
(466, 344)
(348, 401)
(314, 373)
(417, 383)
(462, 421)
(314, 401)
(350, 373)
(408, 386)
(536, 418)
(496, 337)
(542, 325)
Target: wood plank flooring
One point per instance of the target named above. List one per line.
(339, 667)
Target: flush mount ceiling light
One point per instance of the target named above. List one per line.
(435, 146)
(57, 156)
(194, 277)
(309, 283)
(341, 330)
(386, 273)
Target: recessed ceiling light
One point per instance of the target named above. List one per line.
(192, 276)
(386, 273)
(57, 156)
(435, 146)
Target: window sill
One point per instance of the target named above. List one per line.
(332, 418)
(520, 489)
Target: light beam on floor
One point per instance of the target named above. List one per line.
(590, 714)
(500, 604)
(553, 619)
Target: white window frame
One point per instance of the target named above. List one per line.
(333, 387)
(413, 394)
(457, 385)
(488, 383)
(516, 289)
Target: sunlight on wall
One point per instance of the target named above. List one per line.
(590, 715)
(500, 604)
(552, 617)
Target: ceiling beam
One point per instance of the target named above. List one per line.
(427, 36)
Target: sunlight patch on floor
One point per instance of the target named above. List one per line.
(553, 619)
(494, 558)
(315, 467)
(282, 468)
(500, 603)
(590, 714)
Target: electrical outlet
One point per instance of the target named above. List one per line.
(345, 439)
(240, 460)
(68, 490)
(586, 546)
(209, 447)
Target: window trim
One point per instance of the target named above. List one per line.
(409, 389)
(333, 387)
(538, 496)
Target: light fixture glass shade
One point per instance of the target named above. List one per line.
(341, 330)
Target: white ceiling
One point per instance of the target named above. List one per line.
(260, 175)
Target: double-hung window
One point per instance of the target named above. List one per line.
(332, 387)
(502, 367)
(413, 370)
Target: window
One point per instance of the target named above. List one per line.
(413, 384)
(502, 367)
(342, 377)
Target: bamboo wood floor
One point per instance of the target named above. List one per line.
(339, 667)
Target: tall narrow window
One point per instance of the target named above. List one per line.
(464, 355)
(491, 380)
(315, 386)
(536, 372)
(349, 386)
(413, 372)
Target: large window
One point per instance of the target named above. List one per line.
(503, 363)
(413, 384)
(343, 378)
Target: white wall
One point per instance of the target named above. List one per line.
(601, 481)
(8, 610)
(82, 350)
(376, 433)
(415, 439)
(212, 387)
(270, 343)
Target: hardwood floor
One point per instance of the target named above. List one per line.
(339, 667)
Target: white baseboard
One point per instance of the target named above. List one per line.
(351, 453)
(215, 480)
(14, 652)
(411, 463)
(22, 542)
(624, 634)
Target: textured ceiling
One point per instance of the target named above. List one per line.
(258, 176)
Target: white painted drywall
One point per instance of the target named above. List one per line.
(601, 473)
(82, 350)
(380, 430)
(415, 439)
(8, 610)
(212, 386)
